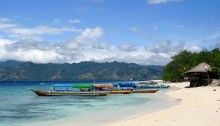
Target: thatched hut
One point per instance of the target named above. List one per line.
(199, 75)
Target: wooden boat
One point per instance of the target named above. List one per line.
(68, 89)
(145, 91)
(148, 82)
(72, 93)
(103, 86)
(155, 86)
(120, 91)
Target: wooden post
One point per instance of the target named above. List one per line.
(208, 77)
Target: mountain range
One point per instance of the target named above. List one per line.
(83, 71)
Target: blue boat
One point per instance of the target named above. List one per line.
(154, 86)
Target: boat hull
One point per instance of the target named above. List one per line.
(120, 91)
(145, 91)
(71, 93)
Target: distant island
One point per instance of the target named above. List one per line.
(83, 71)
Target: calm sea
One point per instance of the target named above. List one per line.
(19, 106)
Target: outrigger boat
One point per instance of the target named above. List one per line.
(145, 91)
(84, 91)
(103, 86)
(112, 88)
(136, 89)
(120, 91)
(73, 93)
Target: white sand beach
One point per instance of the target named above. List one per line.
(198, 107)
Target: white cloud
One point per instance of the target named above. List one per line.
(127, 48)
(3, 51)
(56, 21)
(165, 46)
(89, 49)
(179, 26)
(161, 1)
(6, 25)
(217, 43)
(41, 30)
(74, 21)
(87, 37)
(194, 48)
(136, 29)
(156, 27)
(37, 56)
(2, 19)
(102, 46)
(14, 30)
(85, 46)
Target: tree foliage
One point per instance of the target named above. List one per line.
(186, 60)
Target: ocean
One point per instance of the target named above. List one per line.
(19, 106)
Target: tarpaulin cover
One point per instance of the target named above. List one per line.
(63, 85)
(82, 86)
(127, 85)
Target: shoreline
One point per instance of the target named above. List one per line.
(160, 101)
(193, 107)
(198, 107)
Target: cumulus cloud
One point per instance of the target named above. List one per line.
(166, 46)
(85, 46)
(37, 56)
(127, 48)
(162, 47)
(102, 46)
(161, 1)
(194, 48)
(86, 38)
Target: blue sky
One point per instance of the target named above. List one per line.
(147, 32)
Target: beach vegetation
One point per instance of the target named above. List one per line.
(185, 60)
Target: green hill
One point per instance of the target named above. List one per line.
(80, 71)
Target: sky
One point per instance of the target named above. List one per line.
(146, 32)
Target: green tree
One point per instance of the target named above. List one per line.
(179, 64)
(186, 60)
(216, 60)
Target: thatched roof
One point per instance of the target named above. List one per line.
(201, 68)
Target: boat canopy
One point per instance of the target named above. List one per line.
(133, 85)
(62, 85)
(101, 86)
(83, 86)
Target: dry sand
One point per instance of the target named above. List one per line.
(198, 107)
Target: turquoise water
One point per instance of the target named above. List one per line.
(19, 106)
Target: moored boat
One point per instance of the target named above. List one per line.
(72, 93)
(148, 82)
(145, 91)
(158, 86)
(71, 89)
(103, 86)
(120, 91)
